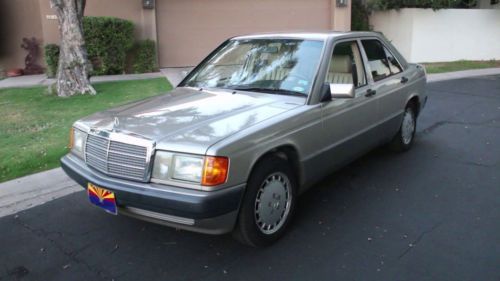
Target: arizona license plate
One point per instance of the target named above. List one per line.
(102, 198)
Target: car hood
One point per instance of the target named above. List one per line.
(190, 120)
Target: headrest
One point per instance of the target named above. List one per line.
(341, 64)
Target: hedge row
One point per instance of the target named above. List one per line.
(359, 16)
(145, 57)
(433, 4)
(109, 41)
(51, 59)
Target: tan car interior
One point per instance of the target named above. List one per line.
(341, 70)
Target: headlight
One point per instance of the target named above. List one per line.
(77, 142)
(204, 170)
(162, 164)
(188, 168)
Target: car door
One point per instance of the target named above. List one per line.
(388, 86)
(348, 122)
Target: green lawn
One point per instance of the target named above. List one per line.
(440, 67)
(34, 126)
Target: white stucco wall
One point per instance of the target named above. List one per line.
(424, 35)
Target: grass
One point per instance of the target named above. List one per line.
(34, 126)
(440, 67)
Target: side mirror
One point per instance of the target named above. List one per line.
(337, 91)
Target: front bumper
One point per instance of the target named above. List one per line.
(212, 212)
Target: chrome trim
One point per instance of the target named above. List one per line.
(158, 216)
(126, 154)
(124, 165)
(124, 138)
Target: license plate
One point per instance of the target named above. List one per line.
(103, 198)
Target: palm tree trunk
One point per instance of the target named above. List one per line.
(74, 68)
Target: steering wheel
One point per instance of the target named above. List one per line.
(296, 82)
(295, 76)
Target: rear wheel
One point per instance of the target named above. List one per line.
(403, 140)
(268, 203)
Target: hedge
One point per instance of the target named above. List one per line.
(51, 52)
(145, 57)
(433, 4)
(359, 16)
(107, 41)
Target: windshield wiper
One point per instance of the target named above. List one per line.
(269, 91)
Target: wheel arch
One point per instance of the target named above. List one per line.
(285, 151)
(414, 101)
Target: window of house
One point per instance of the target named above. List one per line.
(346, 65)
(381, 61)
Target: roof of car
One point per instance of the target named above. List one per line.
(321, 35)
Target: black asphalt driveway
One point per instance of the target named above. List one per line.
(432, 213)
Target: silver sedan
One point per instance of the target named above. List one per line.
(255, 124)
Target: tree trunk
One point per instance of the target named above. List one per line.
(74, 68)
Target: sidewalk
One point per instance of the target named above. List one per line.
(42, 80)
(176, 74)
(33, 190)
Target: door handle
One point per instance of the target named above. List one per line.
(404, 80)
(370, 93)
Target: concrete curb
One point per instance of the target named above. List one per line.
(33, 190)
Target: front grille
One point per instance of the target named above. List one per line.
(115, 158)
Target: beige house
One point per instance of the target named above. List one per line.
(185, 30)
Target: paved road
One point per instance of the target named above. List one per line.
(430, 214)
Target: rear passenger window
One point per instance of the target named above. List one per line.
(346, 65)
(381, 61)
(393, 63)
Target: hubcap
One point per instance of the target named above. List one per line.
(408, 127)
(272, 204)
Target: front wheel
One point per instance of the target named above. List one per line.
(268, 203)
(403, 140)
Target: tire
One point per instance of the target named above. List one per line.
(262, 222)
(404, 138)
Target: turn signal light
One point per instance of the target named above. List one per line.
(71, 138)
(215, 170)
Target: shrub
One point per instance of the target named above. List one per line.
(51, 52)
(433, 4)
(108, 40)
(359, 16)
(145, 57)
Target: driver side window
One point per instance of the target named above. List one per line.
(346, 65)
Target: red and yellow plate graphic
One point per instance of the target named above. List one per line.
(102, 198)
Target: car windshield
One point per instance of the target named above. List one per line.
(276, 66)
